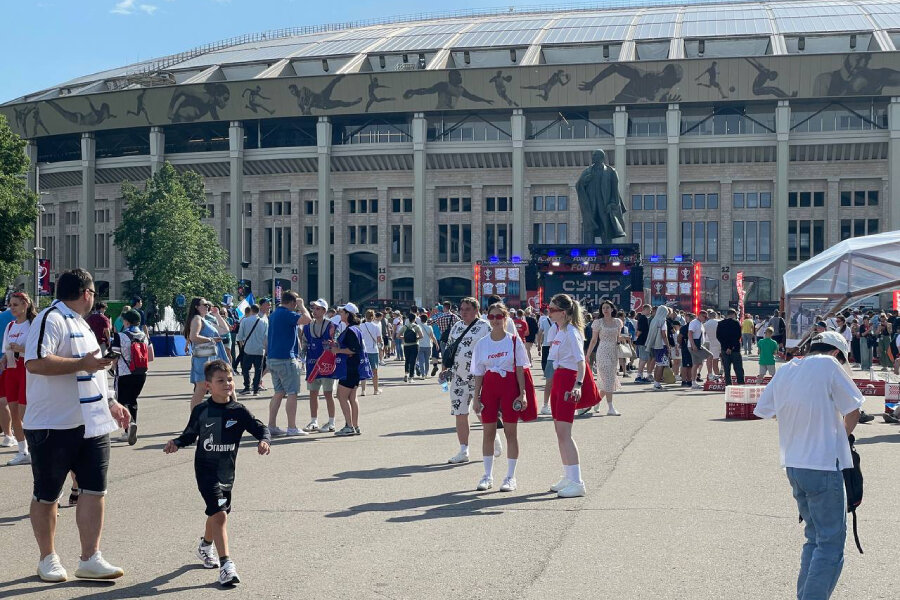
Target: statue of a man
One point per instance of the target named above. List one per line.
(602, 209)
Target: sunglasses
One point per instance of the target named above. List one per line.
(496, 317)
(553, 309)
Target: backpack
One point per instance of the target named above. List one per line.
(140, 354)
(410, 336)
(853, 484)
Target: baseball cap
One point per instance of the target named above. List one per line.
(350, 308)
(321, 303)
(265, 301)
(822, 324)
(833, 338)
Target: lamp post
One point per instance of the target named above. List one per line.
(38, 249)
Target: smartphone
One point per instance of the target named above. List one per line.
(112, 355)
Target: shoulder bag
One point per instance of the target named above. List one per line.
(450, 354)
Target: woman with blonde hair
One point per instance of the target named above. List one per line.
(13, 364)
(573, 388)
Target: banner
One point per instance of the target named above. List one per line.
(739, 285)
(591, 290)
(44, 275)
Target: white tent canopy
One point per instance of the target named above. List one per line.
(848, 271)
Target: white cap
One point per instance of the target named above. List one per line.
(321, 303)
(350, 308)
(833, 338)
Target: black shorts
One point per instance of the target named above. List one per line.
(55, 452)
(687, 361)
(545, 353)
(351, 380)
(216, 495)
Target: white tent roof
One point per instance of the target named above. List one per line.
(856, 267)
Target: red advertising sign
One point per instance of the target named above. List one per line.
(896, 295)
(739, 285)
(44, 275)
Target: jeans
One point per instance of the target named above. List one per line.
(255, 361)
(733, 359)
(865, 355)
(821, 500)
(399, 345)
(747, 342)
(422, 361)
(410, 354)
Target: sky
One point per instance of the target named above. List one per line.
(48, 42)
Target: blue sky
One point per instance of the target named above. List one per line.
(47, 42)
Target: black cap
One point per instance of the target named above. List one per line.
(822, 324)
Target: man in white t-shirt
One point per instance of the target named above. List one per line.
(817, 406)
(55, 427)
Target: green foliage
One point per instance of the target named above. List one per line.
(18, 205)
(165, 245)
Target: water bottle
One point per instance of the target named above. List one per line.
(444, 380)
(445, 387)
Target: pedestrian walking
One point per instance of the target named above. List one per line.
(659, 345)
(372, 346)
(252, 337)
(204, 339)
(135, 355)
(766, 348)
(100, 325)
(410, 334)
(817, 406)
(15, 336)
(606, 335)
(318, 335)
(351, 347)
(427, 343)
(547, 330)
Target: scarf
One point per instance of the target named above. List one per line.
(92, 387)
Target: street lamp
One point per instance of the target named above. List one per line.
(37, 250)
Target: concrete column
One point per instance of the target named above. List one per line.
(323, 143)
(31, 153)
(342, 249)
(158, 148)
(782, 162)
(384, 241)
(832, 208)
(236, 187)
(620, 130)
(478, 252)
(575, 222)
(419, 130)
(893, 189)
(296, 232)
(726, 245)
(517, 127)
(86, 257)
(673, 180)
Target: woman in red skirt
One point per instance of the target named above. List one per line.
(13, 359)
(498, 363)
(573, 388)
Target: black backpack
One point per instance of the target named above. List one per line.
(853, 484)
(410, 336)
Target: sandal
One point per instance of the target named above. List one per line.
(73, 497)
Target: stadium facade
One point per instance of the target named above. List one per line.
(747, 136)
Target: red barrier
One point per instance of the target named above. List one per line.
(867, 387)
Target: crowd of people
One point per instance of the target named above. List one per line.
(481, 355)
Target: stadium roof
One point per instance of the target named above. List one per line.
(638, 32)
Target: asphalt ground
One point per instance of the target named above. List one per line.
(681, 503)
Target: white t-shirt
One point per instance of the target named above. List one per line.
(371, 334)
(567, 348)
(696, 330)
(809, 397)
(709, 329)
(425, 342)
(15, 333)
(545, 325)
(398, 323)
(53, 399)
(498, 356)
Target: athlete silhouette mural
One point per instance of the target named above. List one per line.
(94, 116)
(761, 85)
(856, 78)
(712, 81)
(642, 86)
(500, 80)
(253, 96)
(140, 109)
(188, 106)
(308, 99)
(374, 86)
(448, 92)
(559, 78)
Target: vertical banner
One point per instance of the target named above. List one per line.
(44, 275)
(896, 295)
(739, 285)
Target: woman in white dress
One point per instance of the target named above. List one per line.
(606, 333)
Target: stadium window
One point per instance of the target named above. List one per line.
(443, 205)
(687, 202)
(661, 239)
(538, 203)
(351, 206)
(752, 200)
(454, 204)
(549, 203)
(661, 204)
(765, 200)
(562, 203)
(636, 201)
(792, 199)
(467, 205)
(712, 201)
(737, 237)
(873, 198)
(363, 206)
(738, 198)
(700, 201)
(687, 239)
(805, 198)
(818, 198)
(649, 201)
(859, 198)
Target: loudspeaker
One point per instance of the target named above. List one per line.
(637, 278)
(531, 277)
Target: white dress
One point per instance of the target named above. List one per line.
(607, 360)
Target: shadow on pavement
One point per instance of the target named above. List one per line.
(875, 439)
(390, 472)
(416, 432)
(107, 590)
(448, 505)
(10, 520)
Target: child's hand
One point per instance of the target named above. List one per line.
(263, 448)
(170, 447)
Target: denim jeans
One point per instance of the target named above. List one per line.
(423, 359)
(865, 355)
(821, 499)
(398, 343)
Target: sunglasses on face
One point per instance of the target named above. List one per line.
(553, 309)
(496, 317)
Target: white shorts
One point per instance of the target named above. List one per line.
(763, 369)
(462, 389)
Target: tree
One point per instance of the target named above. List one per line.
(18, 205)
(167, 248)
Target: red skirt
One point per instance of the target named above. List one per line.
(564, 381)
(14, 383)
(498, 395)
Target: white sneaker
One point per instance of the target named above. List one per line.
(498, 446)
(277, 432)
(96, 567)
(545, 410)
(20, 459)
(560, 485)
(51, 570)
(612, 412)
(8, 442)
(657, 385)
(486, 483)
(573, 490)
(697, 386)
(293, 431)
(509, 484)
(459, 457)
(312, 426)
(228, 574)
(326, 428)
(208, 555)
(597, 408)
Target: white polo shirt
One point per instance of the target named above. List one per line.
(809, 397)
(53, 399)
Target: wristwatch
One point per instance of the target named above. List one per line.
(579, 383)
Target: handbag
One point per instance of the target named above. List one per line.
(204, 350)
(530, 412)
(668, 376)
(624, 350)
(450, 353)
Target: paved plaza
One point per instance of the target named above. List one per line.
(681, 504)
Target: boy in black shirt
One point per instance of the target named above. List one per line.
(219, 422)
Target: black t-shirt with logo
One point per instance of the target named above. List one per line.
(643, 325)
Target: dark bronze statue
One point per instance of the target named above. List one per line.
(602, 209)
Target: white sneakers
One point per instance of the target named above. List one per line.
(573, 490)
(545, 410)
(459, 457)
(561, 484)
(326, 428)
(51, 570)
(498, 446)
(8, 441)
(486, 483)
(312, 426)
(612, 412)
(208, 555)
(293, 431)
(509, 484)
(21, 458)
(277, 432)
(228, 574)
(96, 567)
